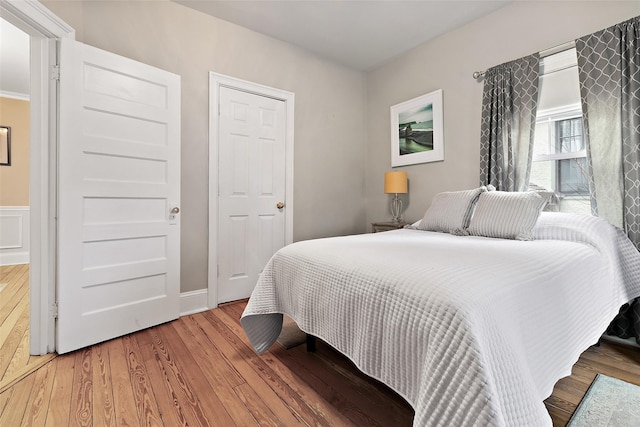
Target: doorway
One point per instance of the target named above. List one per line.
(15, 209)
(43, 28)
(250, 182)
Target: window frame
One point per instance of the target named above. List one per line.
(552, 112)
(572, 112)
(551, 117)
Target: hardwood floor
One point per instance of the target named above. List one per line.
(15, 361)
(201, 370)
(615, 360)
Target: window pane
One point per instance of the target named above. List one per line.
(572, 189)
(572, 177)
(569, 135)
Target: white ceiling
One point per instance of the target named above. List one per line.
(360, 34)
(14, 60)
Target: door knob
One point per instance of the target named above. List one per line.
(173, 214)
(280, 205)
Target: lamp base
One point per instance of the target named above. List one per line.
(396, 208)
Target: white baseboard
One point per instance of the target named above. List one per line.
(193, 302)
(14, 258)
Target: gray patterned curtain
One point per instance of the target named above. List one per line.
(509, 103)
(609, 71)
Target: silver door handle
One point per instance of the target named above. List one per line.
(175, 210)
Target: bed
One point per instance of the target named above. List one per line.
(470, 330)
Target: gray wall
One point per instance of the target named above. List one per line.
(338, 168)
(329, 116)
(447, 63)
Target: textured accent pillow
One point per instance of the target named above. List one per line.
(508, 215)
(451, 211)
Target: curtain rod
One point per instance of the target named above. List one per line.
(557, 49)
(542, 53)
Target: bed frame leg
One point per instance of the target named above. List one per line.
(311, 343)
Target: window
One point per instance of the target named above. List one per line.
(559, 154)
(571, 174)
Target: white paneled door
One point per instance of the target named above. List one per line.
(119, 189)
(251, 176)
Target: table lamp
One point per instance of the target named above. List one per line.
(395, 183)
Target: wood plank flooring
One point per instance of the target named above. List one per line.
(201, 370)
(615, 360)
(15, 361)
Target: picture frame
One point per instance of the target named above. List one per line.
(5, 146)
(417, 130)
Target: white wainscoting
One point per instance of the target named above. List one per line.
(14, 235)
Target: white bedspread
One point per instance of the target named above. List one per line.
(469, 330)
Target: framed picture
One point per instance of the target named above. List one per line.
(416, 130)
(5, 146)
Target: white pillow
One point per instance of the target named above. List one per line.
(415, 225)
(451, 211)
(508, 215)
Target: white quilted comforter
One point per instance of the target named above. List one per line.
(469, 330)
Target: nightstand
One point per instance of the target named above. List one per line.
(387, 225)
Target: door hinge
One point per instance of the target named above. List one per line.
(53, 311)
(55, 72)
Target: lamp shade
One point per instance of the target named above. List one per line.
(395, 182)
